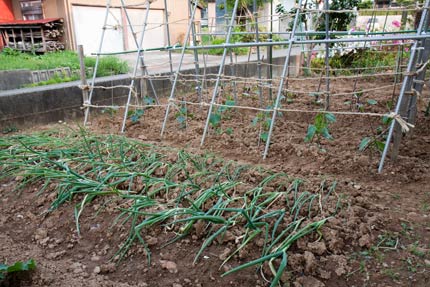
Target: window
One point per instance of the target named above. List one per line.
(31, 10)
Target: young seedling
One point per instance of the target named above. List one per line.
(357, 99)
(357, 102)
(416, 250)
(18, 266)
(110, 111)
(392, 274)
(320, 128)
(9, 129)
(135, 115)
(290, 97)
(149, 101)
(264, 119)
(377, 140)
(182, 115)
(219, 114)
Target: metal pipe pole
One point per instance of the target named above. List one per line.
(196, 56)
(87, 110)
(136, 65)
(232, 71)
(327, 56)
(204, 82)
(314, 33)
(169, 43)
(141, 51)
(175, 81)
(270, 52)
(322, 41)
(225, 13)
(419, 83)
(221, 68)
(403, 89)
(257, 39)
(282, 80)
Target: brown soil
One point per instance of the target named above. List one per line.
(381, 237)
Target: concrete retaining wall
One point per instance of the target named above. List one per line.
(163, 86)
(47, 104)
(15, 79)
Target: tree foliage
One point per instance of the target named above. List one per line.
(245, 6)
(340, 21)
(365, 4)
(245, 3)
(337, 21)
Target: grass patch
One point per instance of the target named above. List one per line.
(14, 60)
(359, 58)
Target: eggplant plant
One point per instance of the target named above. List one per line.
(219, 113)
(320, 128)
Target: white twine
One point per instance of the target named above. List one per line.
(403, 123)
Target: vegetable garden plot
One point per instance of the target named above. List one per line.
(162, 214)
(303, 128)
(94, 208)
(260, 215)
(183, 193)
(330, 43)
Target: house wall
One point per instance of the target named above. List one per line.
(212, 16)
(266, 14)
(50, 8)
(178, 14)
(178, 10)
(16, 9)
(6, 10)
(6, 14)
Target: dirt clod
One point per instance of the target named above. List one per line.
(107, 268)
(365, 241)
(169, 265)
(340, 264)
(97, 270)
(318, 247)
(310, 262)
(151, 241)
(308, 281)
(224, 254)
